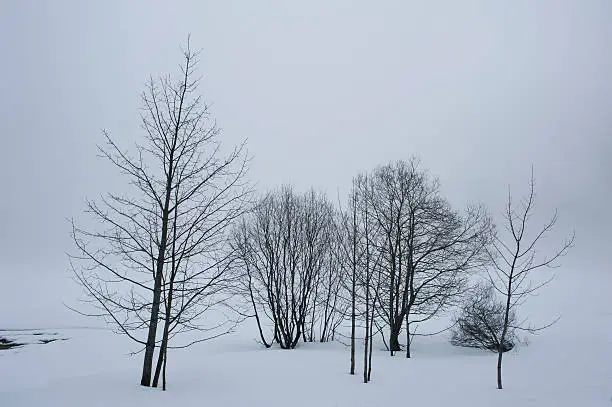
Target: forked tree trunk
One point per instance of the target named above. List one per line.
(160, 361)
(163, 350)
(161, 258)
(151, 338)
(152, 335)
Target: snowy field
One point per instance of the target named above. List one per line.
(570, 364)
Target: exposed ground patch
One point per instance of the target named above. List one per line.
(17, 338)
(8, 344)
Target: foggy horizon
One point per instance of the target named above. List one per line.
(322, 91)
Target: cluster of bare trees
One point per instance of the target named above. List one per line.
(290, 272)
(186, 238)
(410, 255)
(396, 254)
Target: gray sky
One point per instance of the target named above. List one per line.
(322, 89)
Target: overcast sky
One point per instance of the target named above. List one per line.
(322, 89)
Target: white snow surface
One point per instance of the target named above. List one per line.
(569, 364)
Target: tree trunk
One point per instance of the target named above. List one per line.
(150, 347)
(161, 258)
(499, 367)
(164, 345)
(407, 337)
(371, 340)
(353, 332)
(393, 334)
(160, 362)
(164, 373)
(353, 287)
(261, 334)
(367, 333)
(394, 345)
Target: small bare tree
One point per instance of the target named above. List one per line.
(515, 258)
(481, 322)
(160, 252)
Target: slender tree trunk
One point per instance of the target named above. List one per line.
(353, 286)
(261, 334)
(368, 338)
(164, 373)
(367, 327)
(393, 335)
(499, 368)
(164, 345)
(353, 327)
(502, 339)
(382, 335)
(314, 307)
(161, 357)
(407, 337)
(371, 340)
(372, 322)
(152, 335)
(150, 347)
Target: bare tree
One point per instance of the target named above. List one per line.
(283, 248)
(429, 250)
(160, 253)
(360, 260)
(350, 237)
(481, 321)
(370, 278)
(515, 258)
(330, 308)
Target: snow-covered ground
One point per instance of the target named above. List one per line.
(569, 364)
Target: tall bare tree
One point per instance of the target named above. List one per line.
(370, 277)
(159, 253)
(515, 258)
(350, 252)
(429, 249)
(359, 261)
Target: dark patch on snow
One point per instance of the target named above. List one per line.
(8, 344)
